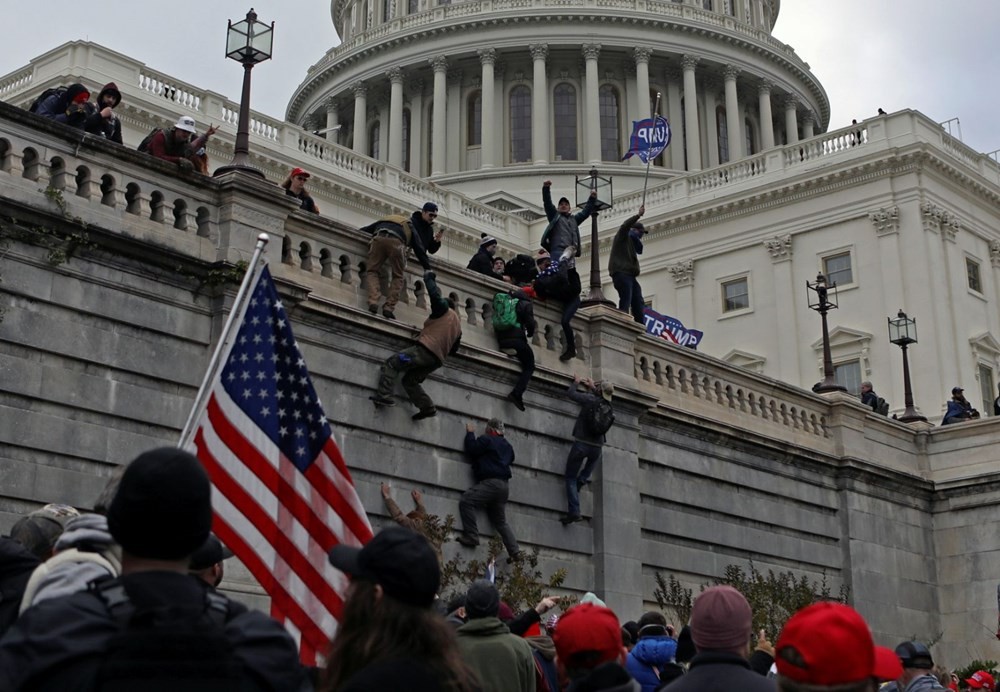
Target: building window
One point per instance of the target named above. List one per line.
(610, 140)
(748, 137)
(388, 10)
(374, 135)
(972, 275)
(849, 375)
(474, 122)
(838, 269)
(520, 124)
(735, 295)
(729, 7)
(406, 140)
(706, 4)
(565, 122)
(412, 6)
(986, 388)
(722, 130)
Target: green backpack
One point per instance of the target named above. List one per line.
(504, 312)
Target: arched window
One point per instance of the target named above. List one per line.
(748, 146)
(412, 6)
(722, 129)
(374, 134)
(388, 10)
(564, 114)
(520, 124)
(607, 97)
(474, 119)
(706, 4)
(406, 139)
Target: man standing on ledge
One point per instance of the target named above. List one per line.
(391, 237)
(623, 266)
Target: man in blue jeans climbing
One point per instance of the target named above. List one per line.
(592, 423)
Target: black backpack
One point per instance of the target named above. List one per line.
(144, 144)
(33, 108)
(166, 648)
(882, 406)
(598, 416)
(521, 269)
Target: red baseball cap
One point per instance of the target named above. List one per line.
(980, 680)
(299, 171)
(830, 644)
(588, 628)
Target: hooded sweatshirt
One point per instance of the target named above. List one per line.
(649, 653)
(503, 662)
(109, 128)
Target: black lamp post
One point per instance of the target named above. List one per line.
(584, 186)
(903, 332)
(248, 42)
(823, 305)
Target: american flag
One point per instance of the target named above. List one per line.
(282, 494)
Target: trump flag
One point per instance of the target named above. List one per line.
(281, 493)
(649, 138)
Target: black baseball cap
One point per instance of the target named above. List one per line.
(401, 561)
(915, 655)
(210, 553)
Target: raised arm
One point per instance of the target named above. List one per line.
(550, 210)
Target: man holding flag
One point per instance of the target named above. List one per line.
(623, 266)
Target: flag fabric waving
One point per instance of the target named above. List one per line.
(281, 493)
(650, 137)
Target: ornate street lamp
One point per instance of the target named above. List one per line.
(248, 42)
(903, 332)
(584, 186)
(823, 305)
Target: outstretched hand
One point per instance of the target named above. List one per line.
(470, 427)
(385, 491)
(547, 183)
(416, 495)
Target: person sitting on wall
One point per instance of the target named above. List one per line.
(177, 146)
(482, 261)
(101, 120)
(959, 408)
(67, 106)
(295, 186)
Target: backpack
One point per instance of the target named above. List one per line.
(504, 312)
(33, 108)
(522, 269)
(144, 144)
(882, 406)
(167, 647)
(598, 416)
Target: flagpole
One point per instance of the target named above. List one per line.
(649, 161)
(239, 308)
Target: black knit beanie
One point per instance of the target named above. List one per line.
(163, 507)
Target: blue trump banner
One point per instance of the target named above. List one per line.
(671, 329)
(649, 138)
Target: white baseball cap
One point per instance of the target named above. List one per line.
(186, 123)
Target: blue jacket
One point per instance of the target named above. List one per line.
(648, 652)
(491, 456)
(957, 412)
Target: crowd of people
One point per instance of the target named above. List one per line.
(126, 598)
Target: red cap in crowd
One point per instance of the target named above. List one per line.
(299, 171)
(980, 680)
(588, 628)
(830, 644)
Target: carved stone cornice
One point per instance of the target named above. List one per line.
(995, 253)
(885, 220)
(780, 247)
(642, 54)
(439, 63)
(938, 220)
(731, 72)
(539, 51)
(591, 51)
(487, 56)
(683, 272)
(360, 89)
(689, 62)
(395, 75)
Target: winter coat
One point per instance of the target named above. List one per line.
(306, 201)
(525, 312)
(647, 654)
(402, 228)
(925, 683)
(491, 456)
(503, 662)
(608, 677)
(108, 128)
(426, 232)
(580, 430)
(84, 552)
(718, 671)
(563, 229)
(957, 412)
(396, 674)
(482, 263)
(442, 332)
(60, 107)
(544, 651)
(164, 145)
(625, 249)
(870, 399)
(16, 565)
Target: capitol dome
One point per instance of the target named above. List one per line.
(489, 96)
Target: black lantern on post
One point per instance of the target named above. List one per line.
(584, 187)
(248, 42)
(903, 332)
(824, 303)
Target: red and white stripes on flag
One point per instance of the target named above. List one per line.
(282, 494)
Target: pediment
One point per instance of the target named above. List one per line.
(844, 336)
(513, 205)
(985, 343)
(745, 359)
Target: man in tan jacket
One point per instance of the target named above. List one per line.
(439, 339)
(391, 237)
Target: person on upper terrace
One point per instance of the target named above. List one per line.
(959, 408)
(67, 106)
(423, 223)
(101, 119)
(482, 261)
(295, 186)
(623, 266)
(177, 146)
(390, 237)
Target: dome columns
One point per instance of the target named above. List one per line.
(592, 112)
(395, 117)
(688, 63)
(487, 58)
(792, 118)
(439, 115)
(360, 117)
(734, 127)
(539, 104)
(766, 118)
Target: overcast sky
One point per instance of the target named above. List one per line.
(932, 56)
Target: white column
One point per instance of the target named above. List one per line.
(710, 93)
(688, 62)
(642, 56)
(808, 123)
(395, 124)
(539, 105)
(455, 122)
(791, 119)
(439, 116)
(382, 112)
(332, 121)
(487, 57)
(786, 365)
(733, 127)
(766, 119)
(591, 104)
(416, 127)
(675, 152)
(360, 117)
